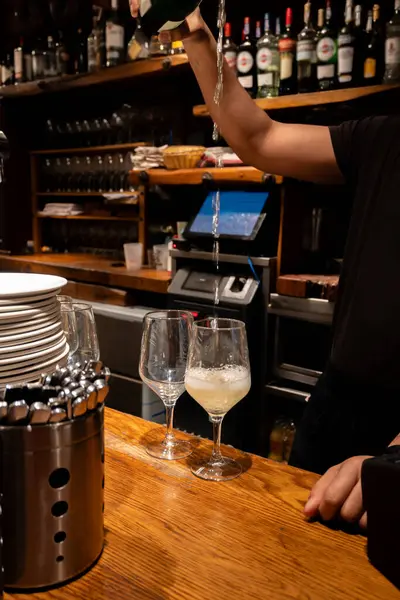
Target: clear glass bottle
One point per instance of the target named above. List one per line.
(115, 37)
(50, 59)
(19, 70)
(392, 47)
(268, 63)
(306, 55)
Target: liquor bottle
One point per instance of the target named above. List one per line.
(246, 64)
(19, 70)
(278, 29)
(159, 15)
(326, 51)
(80, 53)
(115, 37)
(359, 46)
(38, 62)
(306, 55)
(346, 42)
(374, 49)
(268, 64)
(138, 47)
(392, 47)
(63, 58)
(28, 75)
(258, 30)
(50, 58)
(96, 45)
(7, 71)
(229, 48)
(287, 52)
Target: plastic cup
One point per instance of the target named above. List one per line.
(161, 253)
(133, 256)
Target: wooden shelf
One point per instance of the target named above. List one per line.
(89, 269)
(87, 217)
(119, 73)
(313, 99)
(197, 176)
(90, 149)
(84, 194)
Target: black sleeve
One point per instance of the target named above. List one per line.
(355, 144)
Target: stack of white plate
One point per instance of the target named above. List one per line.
(32, 339)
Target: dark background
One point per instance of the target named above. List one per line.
(32, 18)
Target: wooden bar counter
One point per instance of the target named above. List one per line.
(170, 536)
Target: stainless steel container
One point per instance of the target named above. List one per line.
(53, 500)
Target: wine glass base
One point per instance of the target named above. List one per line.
(221, 470)
(174, 450)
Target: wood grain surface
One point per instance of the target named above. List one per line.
(311, 99)
(170, 536)
(121, 72)
(195, 176)
(89, 269)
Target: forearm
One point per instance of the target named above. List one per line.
(396, 441)
(298, 151)
(238, 117)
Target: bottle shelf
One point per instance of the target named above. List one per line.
(81, 194)
(312, 99)
(104, 76)
(90, 149)
(41, 215)
(198, 176)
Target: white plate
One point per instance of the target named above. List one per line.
(34, 357)
(7, 341)
(27, 299)
(29, 315)
(32, 375)
(16, 308)
(13, 285)
(31, 327)
(21, 349)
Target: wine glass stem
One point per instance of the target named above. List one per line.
(170, 424)
(217, 428)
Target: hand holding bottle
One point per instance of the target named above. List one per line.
(194, 22)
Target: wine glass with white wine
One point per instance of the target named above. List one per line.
(162, 367)
(218, 377)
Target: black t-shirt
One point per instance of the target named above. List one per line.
(366, 337)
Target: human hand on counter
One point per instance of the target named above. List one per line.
(339, 493)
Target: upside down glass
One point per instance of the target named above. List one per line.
(162, 367)
(218, 377)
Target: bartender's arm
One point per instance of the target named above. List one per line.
(298, 151)
(339, 492)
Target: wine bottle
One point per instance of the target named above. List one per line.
(326, 51)
(287, 52)
(374, 49)
(306, 54)
(157, 15)
(246, 64)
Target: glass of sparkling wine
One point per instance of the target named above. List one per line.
(218, 377)
(163, 358)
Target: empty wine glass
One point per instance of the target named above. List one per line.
(68, 322)
(162, 367)
(218, 377)
(88, 343)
